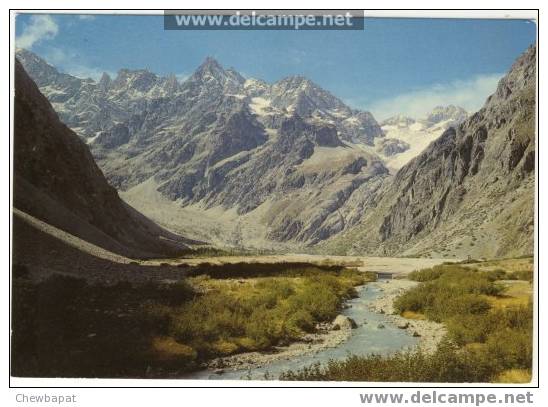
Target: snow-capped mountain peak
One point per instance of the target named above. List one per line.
(455, 114)
(398, 120)
(416, 134)
(91, 107)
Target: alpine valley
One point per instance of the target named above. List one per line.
(236, 162)
(223, 227)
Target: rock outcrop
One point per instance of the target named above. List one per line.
(343, 322)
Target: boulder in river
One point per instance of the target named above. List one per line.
(380, 326)
(344, 322)
(403, 325)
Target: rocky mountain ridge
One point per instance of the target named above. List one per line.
(471, 192)
(241, 162)
(218, 140)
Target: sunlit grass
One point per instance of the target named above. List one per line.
(413, 315)
(517, 293)
(514, 376)
(166, 348)
(256, 309)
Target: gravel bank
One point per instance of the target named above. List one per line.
(311, 343)
(430, 332)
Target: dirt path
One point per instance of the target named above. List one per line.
(70, 239)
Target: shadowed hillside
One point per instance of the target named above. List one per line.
(57, 181)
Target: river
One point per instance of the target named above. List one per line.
(369, 337)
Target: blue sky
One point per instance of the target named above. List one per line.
(393, 66)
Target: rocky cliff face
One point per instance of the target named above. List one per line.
(471, 192)
(220, 141)
(57, 181)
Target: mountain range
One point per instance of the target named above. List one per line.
(243, 163)
(57, 181)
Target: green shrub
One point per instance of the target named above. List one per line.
(497, 274)
(449, 290)
(426, 274)
(447, 364)
(465, 329)
(268, 312)
(481, 342)
(511, 348)
(526, 275)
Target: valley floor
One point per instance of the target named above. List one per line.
(396, 266)
(171, 316)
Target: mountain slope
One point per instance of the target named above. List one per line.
(57, 181)
(278, 161)
(241, 162)
(471, 192)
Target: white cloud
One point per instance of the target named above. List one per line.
(86, 17)
(67, 62)
(84, 72)
(469, 94)
(39, 28)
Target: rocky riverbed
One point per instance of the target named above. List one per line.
(328, 335)
(364, 327)
(429, 333)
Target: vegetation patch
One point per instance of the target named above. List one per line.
(282, 269)
(260, 312)
(413, 315)
(209, 251)
(66, 327)
(514, 376)
(489, 322)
